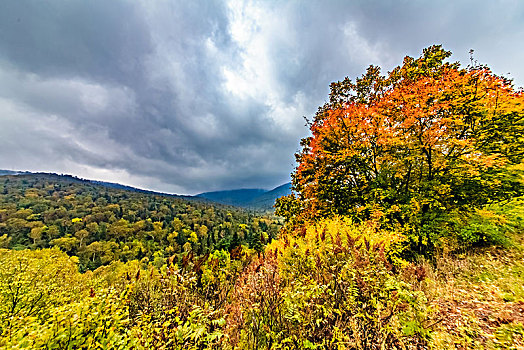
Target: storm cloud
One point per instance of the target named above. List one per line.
(192, 96)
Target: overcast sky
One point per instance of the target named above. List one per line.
(192, 96)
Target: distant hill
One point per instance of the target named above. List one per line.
(94, 182)
(267, 200)
(248, 198)
(133, 189)
(239, 198)
(12, 172)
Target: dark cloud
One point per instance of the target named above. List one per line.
(102, 40)
(194, 96)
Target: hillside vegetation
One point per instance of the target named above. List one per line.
(100, 225)
(404, 230)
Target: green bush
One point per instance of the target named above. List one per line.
(97, 322)
(32, 283)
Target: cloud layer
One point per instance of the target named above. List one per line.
(192, 96)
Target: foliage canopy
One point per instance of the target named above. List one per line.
(426, 139)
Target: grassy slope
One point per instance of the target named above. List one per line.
(479, 298)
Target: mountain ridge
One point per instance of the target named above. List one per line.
(248, 198)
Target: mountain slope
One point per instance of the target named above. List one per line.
(252, 198)
(239, 198)
(267, 199)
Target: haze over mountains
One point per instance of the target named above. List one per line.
(255, 199)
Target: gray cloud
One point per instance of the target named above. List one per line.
(192, 96)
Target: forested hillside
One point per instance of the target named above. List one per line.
(254, 199)
(240, 197)
(267, 200)
(101, 225)
(404, 230)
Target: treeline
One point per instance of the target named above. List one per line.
(100, 224)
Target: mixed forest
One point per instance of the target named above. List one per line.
(99, 225)
(404, 230)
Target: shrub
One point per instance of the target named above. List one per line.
(32, 283)
(96, 322)
(333, 286)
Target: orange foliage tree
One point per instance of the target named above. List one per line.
(427, 139)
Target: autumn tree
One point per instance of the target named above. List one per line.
(428, 138)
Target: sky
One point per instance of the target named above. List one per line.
(192, 96)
